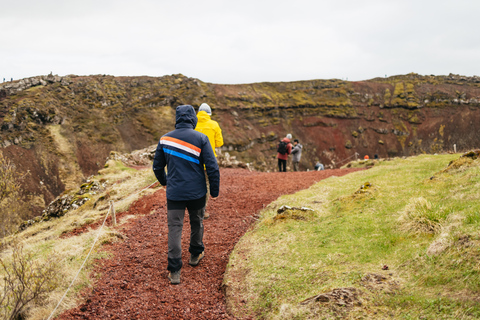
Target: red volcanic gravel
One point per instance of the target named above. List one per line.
(133, 283)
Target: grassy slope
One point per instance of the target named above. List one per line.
(120, 185)
(420, 221)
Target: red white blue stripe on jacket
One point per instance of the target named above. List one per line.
(181, 149)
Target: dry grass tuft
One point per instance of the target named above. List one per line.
(419, 217)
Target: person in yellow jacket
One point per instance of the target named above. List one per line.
(212, 130)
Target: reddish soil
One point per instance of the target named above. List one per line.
(133, 284)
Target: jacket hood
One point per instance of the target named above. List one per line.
(185, 117)
(203, 116)
(286, 140)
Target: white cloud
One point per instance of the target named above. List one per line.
(240, 42)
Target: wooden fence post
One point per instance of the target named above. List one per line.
(114, 217)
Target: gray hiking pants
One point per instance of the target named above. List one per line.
(295, 165)
(175, 217)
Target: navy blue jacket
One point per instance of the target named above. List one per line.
(184, 152)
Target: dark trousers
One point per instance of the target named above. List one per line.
(282, 163)
(295, 165)
(175, 217)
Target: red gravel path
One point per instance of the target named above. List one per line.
(134, 284)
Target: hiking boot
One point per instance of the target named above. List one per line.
(174, 277)
(206, 215)
(194, 260)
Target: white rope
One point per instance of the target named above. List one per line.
(134, 194)
(88, 255)
(81, 267)
(346, 158)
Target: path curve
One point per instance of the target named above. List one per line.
(133, 283)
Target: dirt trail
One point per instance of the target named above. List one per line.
(134, 284)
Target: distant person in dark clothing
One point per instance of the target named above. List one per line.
(284, 148)
(319, 166)
(185, 152)
(297, 154)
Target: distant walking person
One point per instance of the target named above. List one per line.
(284, 148)
(212, 130)
(187, 154)
(297, 154)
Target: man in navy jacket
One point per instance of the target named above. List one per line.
(185, 152)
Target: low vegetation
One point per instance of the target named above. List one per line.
(38, 264)
(10, 202)
(27, 279)
(397, 241)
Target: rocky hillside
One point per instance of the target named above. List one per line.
(61, 129)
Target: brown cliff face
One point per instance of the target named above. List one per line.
(333, 119)
(62, 129)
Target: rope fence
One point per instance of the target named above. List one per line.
(354, 155)
(114, 222)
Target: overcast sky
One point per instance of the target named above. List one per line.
(229, 42)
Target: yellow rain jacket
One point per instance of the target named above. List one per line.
(211, 129)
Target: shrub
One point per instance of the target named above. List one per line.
(9, 196)
(26, 281)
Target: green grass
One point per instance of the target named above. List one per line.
(416, 218)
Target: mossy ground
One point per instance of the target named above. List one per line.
(408, 243)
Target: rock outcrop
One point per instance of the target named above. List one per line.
(9, 88)
(63, 204)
